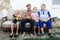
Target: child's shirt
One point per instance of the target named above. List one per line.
(35, 16)
(16, 17)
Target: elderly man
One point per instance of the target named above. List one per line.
(27, 19)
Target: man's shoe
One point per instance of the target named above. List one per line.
(31, 35)
(23, 35)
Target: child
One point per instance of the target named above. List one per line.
(16, 19)
(35, 17)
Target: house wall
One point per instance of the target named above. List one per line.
(4, 4)
(20, 4)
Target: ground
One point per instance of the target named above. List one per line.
(5, 35)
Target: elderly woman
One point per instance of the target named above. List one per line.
(45, 17)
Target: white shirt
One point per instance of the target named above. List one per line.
(0, 14)
(43, 16)
(4, 13)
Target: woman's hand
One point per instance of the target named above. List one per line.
(47, 19)
(41, 19)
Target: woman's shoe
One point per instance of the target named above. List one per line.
(51, 35)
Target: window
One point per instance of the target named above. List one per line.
(56, 2)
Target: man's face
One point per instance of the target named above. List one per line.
(29, 7)
(43, 7)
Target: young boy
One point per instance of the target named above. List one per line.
(16, 19)
(35, 17)
(45, 17)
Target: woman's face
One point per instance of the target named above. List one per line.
(43, 7)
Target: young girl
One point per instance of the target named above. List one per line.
(16, 19)
(35, 17)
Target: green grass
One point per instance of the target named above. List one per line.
(42, 38)
(55, 38)
(57, 33)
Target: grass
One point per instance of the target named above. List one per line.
(55, 38)
(42, 38)
(57, 33)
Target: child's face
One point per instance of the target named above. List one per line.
(35, 10)
(16, 12)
